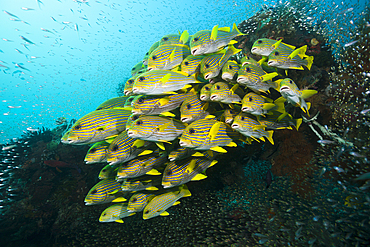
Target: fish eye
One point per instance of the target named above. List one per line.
(147, 211)
(130, 81)
(218, 87)
(104, 214)
(134, 200)
(94, 191)
(250, 99)
(154, 57)
(165, 39)
(115, 148)
(248, 69)
(186, 63)
(104, 170)
(133, 68)
(140, 72)
(169, 172)
(259, 41)
(276, 53)
(147, 53)
(290, 81)
(188, 106)
(195, 39)
(206, 88)
(207, 66)
(92, 150)
(77, 127)
(191, 131)
(248, 58)
(139, 122)
(231, 111)
(141, 78)
(140, 100)
(242, 118)
(230, 67)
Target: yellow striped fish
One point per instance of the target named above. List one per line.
(276, 120)
(97, 153)
(251, 128)
(248, 60)
(207, 134)
(180, 153)
(108, 172)
(205, 41)
(97, 126)
(145, 182)
(130, 120)
(211, 65)
(115, 213)
(287, 59)
(139, 200)
(193, 109)
(129, 101)
(179, 172)
(141, 165)
(222, 92)
(255, 104)
(124, 148)
(113, 103)
(205, 92)
(136, 68)
(229, 70)
(170, 39)
(105, 191)
(255, 78)
(159, 82)
(159, 204)
(129, 84)
(158, 105)
(166, 57)
(229, 115)
(264, 47)
(156, 128)
(191, 64)
(151, 49)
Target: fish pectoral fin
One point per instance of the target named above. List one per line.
(198, 177)
(120, 199)
(214, 130)
(191, 166)
(152, 188)
(113, 192)
(165, 213)
(119, 221)
(153, 172)
(218, 149)
(172, 55)
(232, 144)
(165, 78)
(197, 154)
(138, 143)
(145, 152)
(163, 101)
(163, 126)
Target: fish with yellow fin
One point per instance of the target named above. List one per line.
(222, 92)
(283, 58)
(115, 213)
(205, 92)
(97, 153)
(193, 109)
(166, 57)
(146, 182)
(229, 70)
(264, 47)
(107, 190)
(255, 104)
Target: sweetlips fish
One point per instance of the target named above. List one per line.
(136, 68)
(115, 213)
(130, 120)
(180, 153)
(129, 84)
(229, 114)
(129, 101)
(141, 165)
(249, 60)
(255, 78)
(255, 104)
(156, 128)
(107, 190)
(97, 126)
(207, 134)
(124, 148)
(191, 64)
(205, 41)
(229, 70)
(113, 103)
(158, 105)
(166, 57)
(193, 109)
(251, 128)
(276, 120)
(97, 153)
(159, 204)
(108, 172)
(212, 64)
(145, 59)
(179, 172)
(146, 182)
(205, 92)
(264, 47)
(283, 58)
(293, 95)
(139, 200)
(170, 39)
(151, 49)
(159, 82)
(221, 92)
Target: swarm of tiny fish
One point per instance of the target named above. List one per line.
(188, 101)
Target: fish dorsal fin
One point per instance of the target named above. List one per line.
(205, 106)
(163, 101)
(198, 177)
(276, 45)
(263, 59)
(165, 78)
(214, 130)
(184, 37)
(214, 32)
(307, 93)
(233, 89)
(165, 213)
(299, 51)
(224, 29)
(138, 143)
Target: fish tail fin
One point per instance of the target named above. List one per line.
(298, 123)
(309, 62)
(236, 30)
(269, 137)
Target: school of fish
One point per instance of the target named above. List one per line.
(187, 102)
